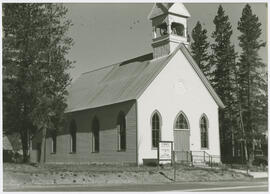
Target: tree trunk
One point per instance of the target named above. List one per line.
(252, 150)
(243, 133)
(43, 146)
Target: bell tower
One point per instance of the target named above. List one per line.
(169, 27)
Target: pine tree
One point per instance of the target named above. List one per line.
(223, 60)
(34, 68)
(199, 49)
(252, 79)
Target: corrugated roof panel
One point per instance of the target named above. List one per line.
(116, 83)
(85, 87)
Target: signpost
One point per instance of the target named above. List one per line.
(165, 151)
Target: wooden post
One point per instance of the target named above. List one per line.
(191, 158)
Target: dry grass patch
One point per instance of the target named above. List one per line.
(23, 174)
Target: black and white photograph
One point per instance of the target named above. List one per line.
(135, 96)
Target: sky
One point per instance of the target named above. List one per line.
(108, 33)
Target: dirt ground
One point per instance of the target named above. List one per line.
(24, 174)
(251, 168)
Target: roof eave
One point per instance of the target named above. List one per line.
(97, 106)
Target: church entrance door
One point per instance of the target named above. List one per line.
(182, 144)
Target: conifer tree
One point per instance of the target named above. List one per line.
(199, 49)
(223, 60)
(252, 78)
(34, 68)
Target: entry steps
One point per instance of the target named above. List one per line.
(196, 158)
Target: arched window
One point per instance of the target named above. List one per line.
(204, 131)
(178, 29)
(73, 131)
(181, 121)
(161, 30)
(95, 135)
(121, 131)
(155, 130)
(54, 138)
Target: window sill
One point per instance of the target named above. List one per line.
(95, 152)
(53, 153)
(72, 152)
(204, 148)
(181, 129)
(121, 150)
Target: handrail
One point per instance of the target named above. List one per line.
(192, 156)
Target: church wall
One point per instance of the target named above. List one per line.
(177, 88)
(108, 153)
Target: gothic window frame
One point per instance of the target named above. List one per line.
(204, 135)
(95, 135)
(121, 132)
(155, 140)
(73, 136)
(181, 113)
(54, 141)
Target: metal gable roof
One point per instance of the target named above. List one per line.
(163, 8)
(123, 81)
(113, 84)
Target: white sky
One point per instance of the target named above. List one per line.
(108, 33)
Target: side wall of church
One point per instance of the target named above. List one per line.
(108, 135)
(177, 88)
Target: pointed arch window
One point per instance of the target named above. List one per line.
(54, 140)
(155, 129)
(204, 131)
(95, 135)
(121, 131)
(73, 131)
(181, 121)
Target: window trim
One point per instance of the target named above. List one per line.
(175, 120)
(158, 30)
(160, 128)
(72, 129)
(53, 143)
(178, 24)
(93, 136)
(181, 129)
(118, 126)
(207, 132)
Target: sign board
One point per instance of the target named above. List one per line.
(165, 149)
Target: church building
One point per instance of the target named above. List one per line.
(119, 113)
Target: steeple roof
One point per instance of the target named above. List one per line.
(165, 8)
